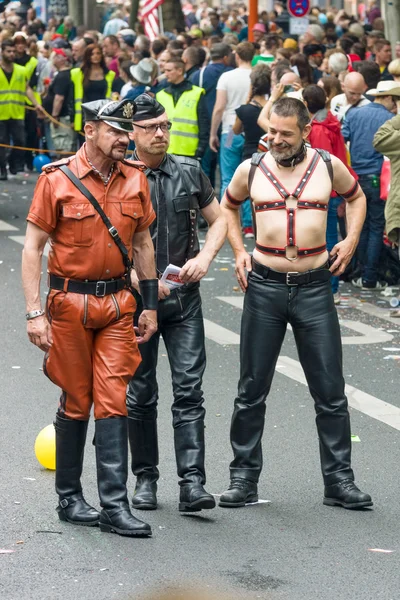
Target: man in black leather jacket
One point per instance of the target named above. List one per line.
(179, 190)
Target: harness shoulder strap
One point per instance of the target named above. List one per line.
(111, 229)
(255, 161)
(326, 157)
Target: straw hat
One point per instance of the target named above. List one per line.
(385, 88)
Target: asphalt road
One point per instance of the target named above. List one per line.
(291, 547)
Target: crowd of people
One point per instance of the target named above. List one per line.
(218, 89)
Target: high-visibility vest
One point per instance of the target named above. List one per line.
(185, 126)
(30, 69)
(12, 94)
(77, 80)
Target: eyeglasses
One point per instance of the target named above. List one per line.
(153, 128)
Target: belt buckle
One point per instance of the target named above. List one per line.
(113, 232)
(192, 213)
(100, 289)
(288, 278)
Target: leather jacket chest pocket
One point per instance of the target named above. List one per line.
(80, 220)
(131, 211)
(182, 208)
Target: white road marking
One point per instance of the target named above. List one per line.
(361, 401)
(370, 335)
(7, 227)
(20, 239)
(219, 334)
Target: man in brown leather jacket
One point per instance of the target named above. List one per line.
(87, 330)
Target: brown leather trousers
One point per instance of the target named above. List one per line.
(94, 352)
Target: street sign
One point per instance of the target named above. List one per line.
(298, 25)
(298, 8)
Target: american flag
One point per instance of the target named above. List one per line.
(149, 17)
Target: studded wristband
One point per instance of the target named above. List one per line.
(33, 314)
(149, 293)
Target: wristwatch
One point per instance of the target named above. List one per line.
(34, 313)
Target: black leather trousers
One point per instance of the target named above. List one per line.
(180, 321)
(268, 308)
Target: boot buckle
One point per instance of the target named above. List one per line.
(64, 503)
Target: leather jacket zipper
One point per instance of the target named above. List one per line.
(117, 310)
(85, 309)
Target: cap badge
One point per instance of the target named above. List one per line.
(127, 111)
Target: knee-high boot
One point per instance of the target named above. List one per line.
(189, 452)
(70, 445)
(143, 442)
(112, 475)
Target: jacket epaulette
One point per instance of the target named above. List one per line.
(58, 163)
(137, 164)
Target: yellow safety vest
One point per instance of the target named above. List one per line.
(185, 127)
(77, 80)
(30, 69)
(12, 94)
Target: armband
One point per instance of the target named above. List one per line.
(232, 200)
(351, 191)
(149, 293)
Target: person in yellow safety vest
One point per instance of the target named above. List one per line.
(13, 89)
(92, 81)
(30, 63)
(186, 109)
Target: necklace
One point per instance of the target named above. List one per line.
(105, 180)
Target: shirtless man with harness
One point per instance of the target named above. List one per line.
(287, 281)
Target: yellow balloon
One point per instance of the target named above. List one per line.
(45, 447)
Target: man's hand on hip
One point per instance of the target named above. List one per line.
(39, 333)
(243, 264)
(147, 325)
(342, 254)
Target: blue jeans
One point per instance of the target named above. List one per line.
(231, 150)
(332, 237)
(209, 164)
(371, 238)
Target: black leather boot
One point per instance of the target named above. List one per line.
(3, 174)
(345, 493)
(239, 493)
(143, 442)
(70, 446)
(189, 451)
(112, 475)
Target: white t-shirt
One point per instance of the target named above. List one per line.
(236, 83)
(340, 106)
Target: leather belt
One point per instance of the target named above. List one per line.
(292, 278)
(93, 288)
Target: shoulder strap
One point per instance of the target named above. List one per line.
(190, 253)
(326, 157)
(111, 229)
(255, 161)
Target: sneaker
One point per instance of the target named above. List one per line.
(248, 233)
(336, 298)
(359, 283)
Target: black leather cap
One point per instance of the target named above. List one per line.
(147, 107)
(117, 114)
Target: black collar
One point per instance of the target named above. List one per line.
(295, 159)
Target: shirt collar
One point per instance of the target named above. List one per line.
(83, 168)
(165, 165)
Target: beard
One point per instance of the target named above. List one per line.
(284, 151)
(155, 148)
(118, 152)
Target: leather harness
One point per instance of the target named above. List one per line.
(257, 162)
